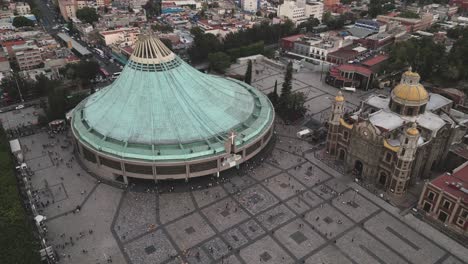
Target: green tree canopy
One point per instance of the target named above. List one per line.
(17, 243)
(273, 96)
(152, 8)
(21, 21)
(84, 71)
(204, 44)
(375, 8)
(219, 61)
(287, 84)
(309, 24)
(167, 42)
(162, 28)
(13, 82)
(248, 73)
(408, 14)
(87, 15)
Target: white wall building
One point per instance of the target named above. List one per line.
(249, 5)
(299, 11)
(319, 47)
(22, 8)
(121, 36)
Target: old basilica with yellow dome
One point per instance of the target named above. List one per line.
(395, 141)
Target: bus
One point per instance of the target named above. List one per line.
(104, 73)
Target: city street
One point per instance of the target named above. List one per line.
(49, 21)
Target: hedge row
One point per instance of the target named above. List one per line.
(17, 242)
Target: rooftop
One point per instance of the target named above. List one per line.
(375, 60)
(455, 184)
(162, 108)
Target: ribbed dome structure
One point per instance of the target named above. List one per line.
(162, 109)
(410, 90)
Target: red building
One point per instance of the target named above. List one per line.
(462, 4)
(287, 43)
(349, 75)
(327, 4)
(445, 199)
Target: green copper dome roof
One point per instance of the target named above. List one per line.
(162, 108)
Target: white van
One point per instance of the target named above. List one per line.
(349, 89)
(115, 75)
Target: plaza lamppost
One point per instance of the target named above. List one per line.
(17, 86)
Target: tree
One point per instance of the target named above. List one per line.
(204, 44)
(36, 12)
(163, 28)
(13, 82)
(273, 96)
(84, 71)
(152, 8)
(17, 241)
(309, 24)
(287, 84)
(167, 43)
(56, 99)
(87, 15)
(290, 105)
(248, 73)
(408, 14)
(42, 85)
(21, 21)
(219, 61)
(375, 8)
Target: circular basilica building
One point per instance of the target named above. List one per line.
(163, 119)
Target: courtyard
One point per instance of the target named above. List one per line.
(284, 206)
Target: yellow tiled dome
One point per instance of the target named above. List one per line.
(408, 92)
(412, 131)
(410, 89)
(339, 97)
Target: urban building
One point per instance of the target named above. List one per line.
(328, 4)
(117, 18)
(161, 119)
(102, 3)
(28, 58)
(183, 3)
(445, 199)
(462, 4)
(250, 5)
(393, 142)
(218, 28)
(411, 24)
(132, 3)
(350, 75)
(318, 47)
(121, 36)
(67, 8)
(22, 8)
(299, 11)
(366, 27)
(287, 43)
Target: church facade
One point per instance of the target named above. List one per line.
(392, 142)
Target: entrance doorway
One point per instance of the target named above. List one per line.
(341, 154)
(382, 178)
(358, 168)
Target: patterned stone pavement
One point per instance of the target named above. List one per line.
(283, 207)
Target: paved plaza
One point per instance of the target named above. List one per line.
(284, 206)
